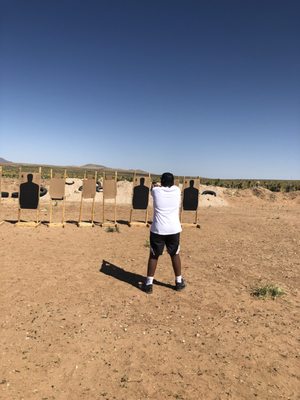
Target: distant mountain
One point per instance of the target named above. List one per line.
(86, 166)
(102, 167)
(3, 161)
(94, 166)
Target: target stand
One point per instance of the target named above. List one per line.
(190, 200)
(88, 192)
(1, 221)
(57, 195)
(140, 198)
(29, 196)
(109, 193)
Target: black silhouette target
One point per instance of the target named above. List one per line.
(140, 198)
(191, 194)
(29, 193)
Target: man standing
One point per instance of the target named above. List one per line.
(165, 230)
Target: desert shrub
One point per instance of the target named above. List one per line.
(268, 290)
(112, 229)
(288, 188)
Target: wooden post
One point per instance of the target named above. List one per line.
(147, 209)
(94, 198)
(182, 194)
(81, 204)
(196, 216)
(51, 205)
(1, 222)
(39, 204)
(115, 210)
(64, 201)
(131, 210)
(19, 209)
(103, 205)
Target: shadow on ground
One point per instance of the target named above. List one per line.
(131, 278)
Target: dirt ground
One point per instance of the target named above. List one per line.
(75, 324)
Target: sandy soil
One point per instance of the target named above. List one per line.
(75, 325)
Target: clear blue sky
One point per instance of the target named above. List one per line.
(209, 88)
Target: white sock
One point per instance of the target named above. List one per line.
(178, 279)
(149, 280)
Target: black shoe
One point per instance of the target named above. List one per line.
(180, 285)
(147, 288)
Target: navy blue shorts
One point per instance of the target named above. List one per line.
(158, 242)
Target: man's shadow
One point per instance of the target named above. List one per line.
(131, 278)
